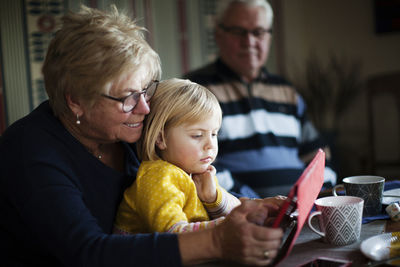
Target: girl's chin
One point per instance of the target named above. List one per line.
(202, 170)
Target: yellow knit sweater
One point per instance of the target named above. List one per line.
(163, 198)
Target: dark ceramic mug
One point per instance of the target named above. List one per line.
(367, 187)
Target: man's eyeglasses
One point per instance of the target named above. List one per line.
(129, 102)
(242, 32)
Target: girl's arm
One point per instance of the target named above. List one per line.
(183, 227)
(234, 239)
(216, 200)
(223, 205)
(162, 197)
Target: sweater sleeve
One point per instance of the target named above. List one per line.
(57, 215)
(223, 205)
(183, 227)
(66, 219)
(311, 141)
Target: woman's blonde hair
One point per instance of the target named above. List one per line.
(174, 103)
(90, 51)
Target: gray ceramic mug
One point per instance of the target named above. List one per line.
(339, 219)
(367, 187)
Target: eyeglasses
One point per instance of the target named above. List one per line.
(242, 32)
(129, 102)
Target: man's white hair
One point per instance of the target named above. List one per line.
(223, 5)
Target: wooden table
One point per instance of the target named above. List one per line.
(309, 246)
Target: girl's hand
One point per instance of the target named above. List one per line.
(205, 185)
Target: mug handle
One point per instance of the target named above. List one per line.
(315, 213)
(335, 189)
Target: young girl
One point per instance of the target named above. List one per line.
(176, 189)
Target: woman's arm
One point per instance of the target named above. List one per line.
(62, 227)
(235, 239)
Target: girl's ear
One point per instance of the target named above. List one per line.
(160, 142)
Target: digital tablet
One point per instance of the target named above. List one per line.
(300, 200)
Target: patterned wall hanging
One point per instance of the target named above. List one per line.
(208, 10)
(41, 20)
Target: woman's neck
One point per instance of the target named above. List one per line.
(111, 154)
(76, 130)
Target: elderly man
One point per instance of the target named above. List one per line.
(265, 140)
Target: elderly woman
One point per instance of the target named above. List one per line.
(64, 167)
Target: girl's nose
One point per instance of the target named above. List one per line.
(211, 142)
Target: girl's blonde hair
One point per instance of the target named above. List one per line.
(174, 103)
(90, 51)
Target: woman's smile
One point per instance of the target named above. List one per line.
(134, 125)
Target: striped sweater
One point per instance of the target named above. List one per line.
(265, 139)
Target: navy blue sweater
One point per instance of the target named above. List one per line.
(58, 202)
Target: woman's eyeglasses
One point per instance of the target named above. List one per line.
(129, 102)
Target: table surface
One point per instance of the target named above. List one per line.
(309, 246)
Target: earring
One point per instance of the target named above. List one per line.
(77, 119)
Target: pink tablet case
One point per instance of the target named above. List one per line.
(306, 190)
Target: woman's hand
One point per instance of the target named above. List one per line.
(236, 239)
(276, 201)
(205, 185)
(239, 239)
(273, 203)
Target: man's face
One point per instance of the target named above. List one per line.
(239, 48)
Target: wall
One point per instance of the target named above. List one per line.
(14, 74)
(18, 90)
(324, 27)
(338, 26)
(161, 17)
(345, 28)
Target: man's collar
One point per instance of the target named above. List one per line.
(226, 71)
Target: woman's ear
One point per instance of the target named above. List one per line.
(74, 105)
(160, 142)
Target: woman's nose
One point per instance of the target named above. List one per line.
(142, 107)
